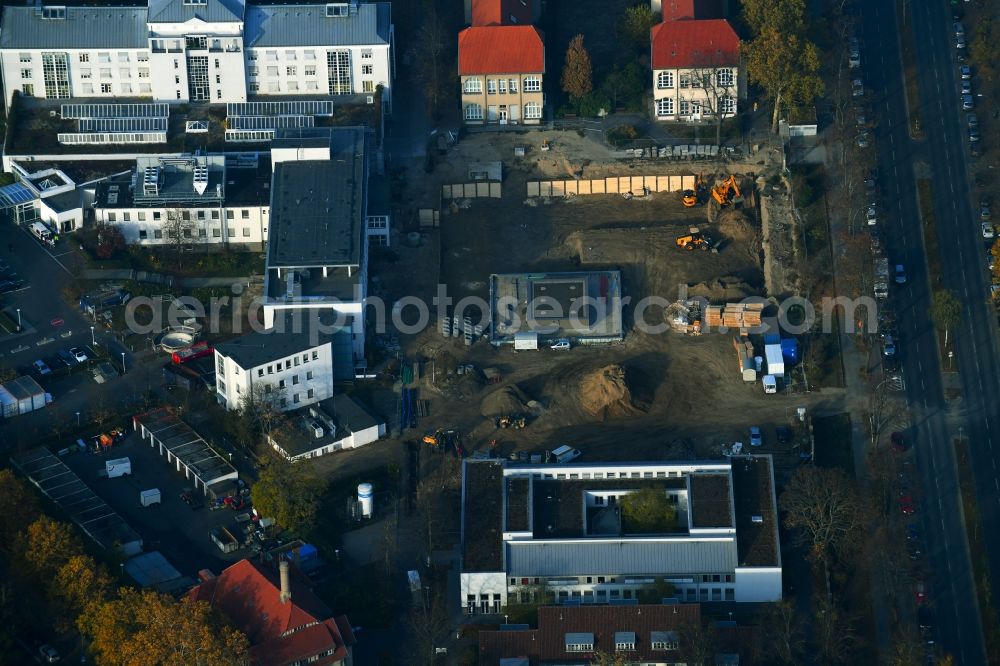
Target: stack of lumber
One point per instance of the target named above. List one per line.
(734, 315)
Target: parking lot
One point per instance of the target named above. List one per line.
(174, 528)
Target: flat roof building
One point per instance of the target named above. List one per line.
(335, 424)
(561, 527)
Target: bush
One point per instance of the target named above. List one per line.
(622, 135)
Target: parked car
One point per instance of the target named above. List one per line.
(960, 42)
(912, 532)
(78, 355)
(756, 439)
(973, 135)
(966, 87)
(888, 346)
(870, 215)
(920, 593)
(857, 88)
(900, 274)
(863, 140)
(561, 343)
(965, 72)
(906, 505)
(49, 654)
(898, 443)
(990, 260)
(860, 119)
(967, 103)
(984, 210)
(783, 434)
(41, 368)
(972, 120)
(988, 232)
(66, 358)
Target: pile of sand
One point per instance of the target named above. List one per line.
(605, 393)
(726, 288)
(506, 401)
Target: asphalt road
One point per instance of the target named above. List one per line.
(934, 420)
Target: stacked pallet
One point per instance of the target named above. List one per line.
(734, 315)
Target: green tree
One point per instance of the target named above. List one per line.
(946, 311)
(636, 23)
(786, 16)
(577, 74)
(287, 492)
(624, 86)
(148, 627)
(995, 251)
(786, 67)
(647, 511)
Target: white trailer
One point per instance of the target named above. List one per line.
(525, 341)
(149, 497)
(775, 361)
(118, 467)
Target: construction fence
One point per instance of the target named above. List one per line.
(611, 185)
(470, 190)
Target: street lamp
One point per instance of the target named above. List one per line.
(123, 363)
(78, 419)
(19, 320)
(93, 342)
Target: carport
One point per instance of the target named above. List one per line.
(184, 448)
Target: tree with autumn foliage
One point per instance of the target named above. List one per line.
(110, 240)
(578, 72)
(18, 507)
(148, 627)
(46, 545)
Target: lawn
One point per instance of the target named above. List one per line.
(935, 266)
(909, 68)
(833, 442)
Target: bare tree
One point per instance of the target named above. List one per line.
(428, 621)
(884, 409)
(718, 82)
(825, 508)
(177, 230)
(781, 633)
(835, 635)
(697, 641)
(429, 55)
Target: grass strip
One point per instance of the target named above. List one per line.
(935, 266)
(909, 68)
(977, 553)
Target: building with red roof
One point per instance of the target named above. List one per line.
(284, 621)
(501, 69)
(501, 12)
(696, 69)
(679, 10)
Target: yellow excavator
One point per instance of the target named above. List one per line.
(692, 241)
(727, 192)
(691, 198)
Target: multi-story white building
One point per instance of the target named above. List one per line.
(291, 365)
(558, 531)
(205, 199)
(198, 51)
(696, 69)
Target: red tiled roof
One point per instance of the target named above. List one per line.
(501, 12)
(696, 43)
(676, 10)
(250, 596)
(501, 49)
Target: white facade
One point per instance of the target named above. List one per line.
(295, 380)
(200, 51)
(678, 94)
(153, 226)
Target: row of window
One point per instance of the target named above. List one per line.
(307, 70)
(186, 215)
(272, 56)
(724, 78)
(665, 107)
(288, 364)
(623, 646)
(705, 578)
(474, 86)
(532, 111)
(190, 233)
(293, 86)
(313, 658)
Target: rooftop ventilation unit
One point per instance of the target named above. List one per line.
(151, 181)
(200, 178)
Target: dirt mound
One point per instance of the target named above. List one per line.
(605, 393)
(726, 288)
(734, 224)
(505, 401)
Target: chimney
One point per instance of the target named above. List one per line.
(286, 585)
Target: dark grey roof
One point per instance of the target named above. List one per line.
(83, 28)
(285, 339)
(308, 25)
(317, 206)
(615, 557)
(349, 416)
(213, 11)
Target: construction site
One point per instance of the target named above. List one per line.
(682, 240)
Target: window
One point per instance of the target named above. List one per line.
(724, 77)
(202, 233)
(216, 232)
(231, 233)
(28, 89)
(665, 645)
(338, 63)
(532, 84)
(127, 216)
(105, 72)
(252, 56)
(727, 105)
(142, 234)
(246, 232)
(218, 79)
(254, 87)
(143, 72)
(367, 86)
(474, 112)
(26, 74)
(55, 72)
(309, 373)
(230, 215)
(503, 86)
(272, 71)
(665, 80)
(310, 70)
(272, 56)
(245, 214)
(624, 646)
(157, 233)
(252, 71)
(142, 57)
(491, 86)
(281, 383)
(291, 70)
(84, 57)
(685, 107)
(579, 647)
(106, 88)
(366, 54)
(309, 393)
(124, 73)
(295, 399)
(290, 55)
(532, 110)
(295, 378)
(368, 69)
(187, 233)
(145, 88)
(309, 55)
(122, 56)
(217, 63)
(685, 80)
(665, 107)
(472, 86)
(215, 214)
(293, 85)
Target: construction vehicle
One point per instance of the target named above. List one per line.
(691, 198)
(727, 192)
(433, 438)
(693, 240)
(516, 422)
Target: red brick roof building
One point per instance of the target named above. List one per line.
(501, 12)
(694, 44)
(284, 621)
(501, 69)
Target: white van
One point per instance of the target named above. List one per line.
(770, 384)
(565, 454)
(42, 233)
